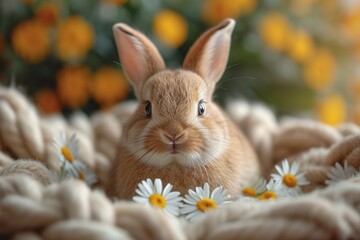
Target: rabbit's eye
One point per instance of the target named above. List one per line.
(148, 108)
(201, 108)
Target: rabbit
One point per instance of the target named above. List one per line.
(177, 133)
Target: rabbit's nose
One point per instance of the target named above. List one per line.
(174, 142)
(174, 138)
(174, 132)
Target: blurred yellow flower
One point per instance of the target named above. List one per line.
(47, 101)
(213, 11)
(274, 30)
(116, 2)
(31, 41)
(332, 109)
(170, 27)
(300, 46)
(73, 85)
(109, 86)
(47, 13)
(75, 38)
(247, 6)
(319, 72)
(351, 24)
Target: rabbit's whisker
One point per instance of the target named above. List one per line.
(129, 158)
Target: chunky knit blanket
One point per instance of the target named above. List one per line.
(31, 207)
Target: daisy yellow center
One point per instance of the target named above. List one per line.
(67, 154)
(81, 175)
(157, 200)
(268, 195)
(290, 180)
(249, 191)
(206, 204)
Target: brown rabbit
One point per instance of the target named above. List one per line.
(177, 133)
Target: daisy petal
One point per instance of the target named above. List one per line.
(172, 195)
(141, 193)
(194, 195)
(158, 186)
(279, 170)
(145, 188)
(200, 192)
(188, 209)
(285, 165)
(216, 193)
(294, 168)
(167, 189)
(206, 190)
(140, 199)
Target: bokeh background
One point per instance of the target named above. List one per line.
(301, 57)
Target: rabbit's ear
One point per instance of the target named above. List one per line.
(139, 58)
(209, 54)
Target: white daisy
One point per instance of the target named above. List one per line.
(155, 195)
(338, 173)
(289, 179)
(68, 153)
(255, 189)
(58, 176)
(272, 192)
(85, 174)
(199, 202)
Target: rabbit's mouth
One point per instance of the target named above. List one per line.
(173, 142)
(173, 147)
(162, 148)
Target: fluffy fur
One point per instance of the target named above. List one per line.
(175, 143)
